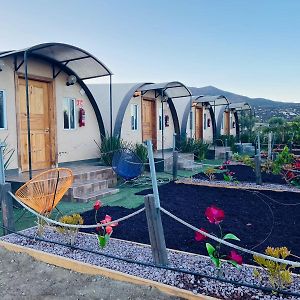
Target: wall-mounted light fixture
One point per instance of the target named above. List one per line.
(2, 65)
(71, 80)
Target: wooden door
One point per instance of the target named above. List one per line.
(198, 123)
(149, 122)
(227, 122)
(39, 125)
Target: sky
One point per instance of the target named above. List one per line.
(246, 47)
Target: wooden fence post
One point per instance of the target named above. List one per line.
(257, 161)
(175, 165)
(156, 233)
(7, 209)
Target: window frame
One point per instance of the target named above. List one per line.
(4, 110)
(134, 120)
(69, 99)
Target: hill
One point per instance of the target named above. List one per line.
(264, 108)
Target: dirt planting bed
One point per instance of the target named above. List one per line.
(245, 174)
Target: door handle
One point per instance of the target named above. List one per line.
(47, 130)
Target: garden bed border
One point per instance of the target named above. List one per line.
(90, 269)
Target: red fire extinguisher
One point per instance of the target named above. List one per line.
(81, 117)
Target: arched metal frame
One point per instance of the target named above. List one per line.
(187, 114)
(62, 65)
(167, 92)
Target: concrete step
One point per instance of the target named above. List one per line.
(97, 195)
(100, 174)
(80, 188)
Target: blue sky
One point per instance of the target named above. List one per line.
(247, 47)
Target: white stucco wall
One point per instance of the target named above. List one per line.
(77, 144)
(135, 136)
(231, 119)
(207, 132)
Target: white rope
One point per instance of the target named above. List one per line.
(50, 221)
(279, 260)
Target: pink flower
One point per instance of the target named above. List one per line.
(234, 256)
(98, 228)
(108, 229)
(108, 219)
(199, 237)
(227, 162)
(214, 215)
(97, 205)
(221, 168)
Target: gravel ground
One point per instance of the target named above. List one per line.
(22, 277)
(249, 185)
(136, 252)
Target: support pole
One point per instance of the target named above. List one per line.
(174, 141)
(257, 161)
(6, 200)
(110, 106)
(153, 174)
(156, 233)
(175, 165)
(28, 114)
(258, 145)
(191, 117)
(162, 126)
(270, 145)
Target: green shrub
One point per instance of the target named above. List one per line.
(231, 140)
(109, 145)
(283, 158)
(141, 151)
(198, 147)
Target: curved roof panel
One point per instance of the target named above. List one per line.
(240, 106)
(79, 61)
(172, 89)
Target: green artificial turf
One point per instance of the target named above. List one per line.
(125, 197)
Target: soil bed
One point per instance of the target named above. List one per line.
(129, 250)
(245, 174)
(248, 214)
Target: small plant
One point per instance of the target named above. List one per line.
(237, 157)
(283, 158)
(210, 173)
(215, 216)
(71, 233)
(108, 147)
(198, 147)
(248, 161)
(279, 275)
(228, 176)
(141, 151)
(267, 166)
(104, 230)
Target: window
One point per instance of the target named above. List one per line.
(160, 119)
(2, 110)
(231, 121)
(134, 117)
(204, 121)
(191, 120)
(69, 113)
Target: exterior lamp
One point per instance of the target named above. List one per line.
(2, 65)
(71, 80)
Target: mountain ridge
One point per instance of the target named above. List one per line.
(263, 108)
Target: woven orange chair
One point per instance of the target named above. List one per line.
(43, 192)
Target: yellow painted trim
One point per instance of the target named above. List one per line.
(90, 269)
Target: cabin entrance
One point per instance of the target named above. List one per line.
(149, 121)
(42, 136)
(199, 123)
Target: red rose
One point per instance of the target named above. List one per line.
(290, 175)
(297, 164)
(97, 205)
(199, 237)
(214, 214)
(234, 256)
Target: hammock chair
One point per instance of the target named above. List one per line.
(43, 192)
(127, 164)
